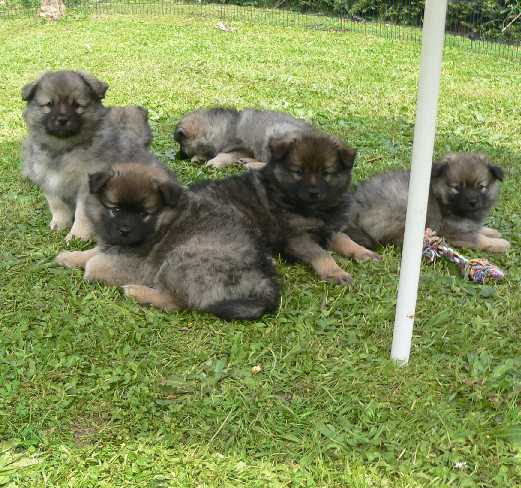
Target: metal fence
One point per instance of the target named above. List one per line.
(480, 25)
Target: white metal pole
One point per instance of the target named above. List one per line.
(423, 145)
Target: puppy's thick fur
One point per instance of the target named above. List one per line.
(464, 188)
(298, 200)
(224, 136)
(72, 133)
(124, 136)
(176, 249)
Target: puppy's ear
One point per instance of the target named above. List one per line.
(29, 90)
(438, 169)
(496, 172)
(97, 180)
(97, 86)
(280, 146)
(347, 156)
(169, 189)
(179, 134)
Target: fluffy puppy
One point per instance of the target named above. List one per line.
(204, 133)
(63, 114)
(225, 136)
(175, 249)
(464, 188)
(298, 200)
(72, 133)
(124, 136)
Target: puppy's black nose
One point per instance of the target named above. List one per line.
(124, 230)
(313, 192)
(62, 120)
(473, 203)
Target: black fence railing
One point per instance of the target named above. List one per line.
(483, 25)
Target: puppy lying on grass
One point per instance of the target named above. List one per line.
(464, 188)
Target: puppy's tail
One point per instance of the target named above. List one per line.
(242, 308)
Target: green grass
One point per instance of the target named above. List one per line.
(101, 392)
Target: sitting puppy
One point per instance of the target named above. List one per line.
(463, 190)
(298, 200)
(175, 249)
(69, 131)
(225, 136)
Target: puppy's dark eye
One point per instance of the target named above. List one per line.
(114, 211)
(331, 171)
(146, 214)
(455, 189)
(483, 188)
(297, 171)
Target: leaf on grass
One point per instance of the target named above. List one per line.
(11, 462)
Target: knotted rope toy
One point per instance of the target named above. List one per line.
(478, 270)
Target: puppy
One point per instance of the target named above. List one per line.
(124, 136)
(69, 132)
(225, 136)
(175, 249)
(64, 112)
(298, 200)
(464, 188)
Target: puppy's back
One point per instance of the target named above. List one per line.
(377, 209)
(256, 127)
(124, 133)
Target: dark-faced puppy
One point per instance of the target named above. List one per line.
(175, 249)
(63, 113)
(72, 133)
(307, 179)
(64, 105)
(124, 136)
(132, 198)
(464, 188)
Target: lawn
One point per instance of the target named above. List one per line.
(103, 393)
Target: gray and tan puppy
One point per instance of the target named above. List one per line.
(298, 200)
(70, 132)
(222, 136)
(464, 188)
(64, 113)
(173, 248)
(124, 136)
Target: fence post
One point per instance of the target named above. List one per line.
(423, 145)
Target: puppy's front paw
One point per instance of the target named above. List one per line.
(75, 259)
(198, 159)
(367, 255)
(253, 165)
(59, 223)
(498, 245)
(218, 162)
(489, 232)
(69, 259)
(338, 276)
(82, 233)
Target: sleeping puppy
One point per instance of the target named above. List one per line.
(175, 249)
(222, 136)
(464, 188)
